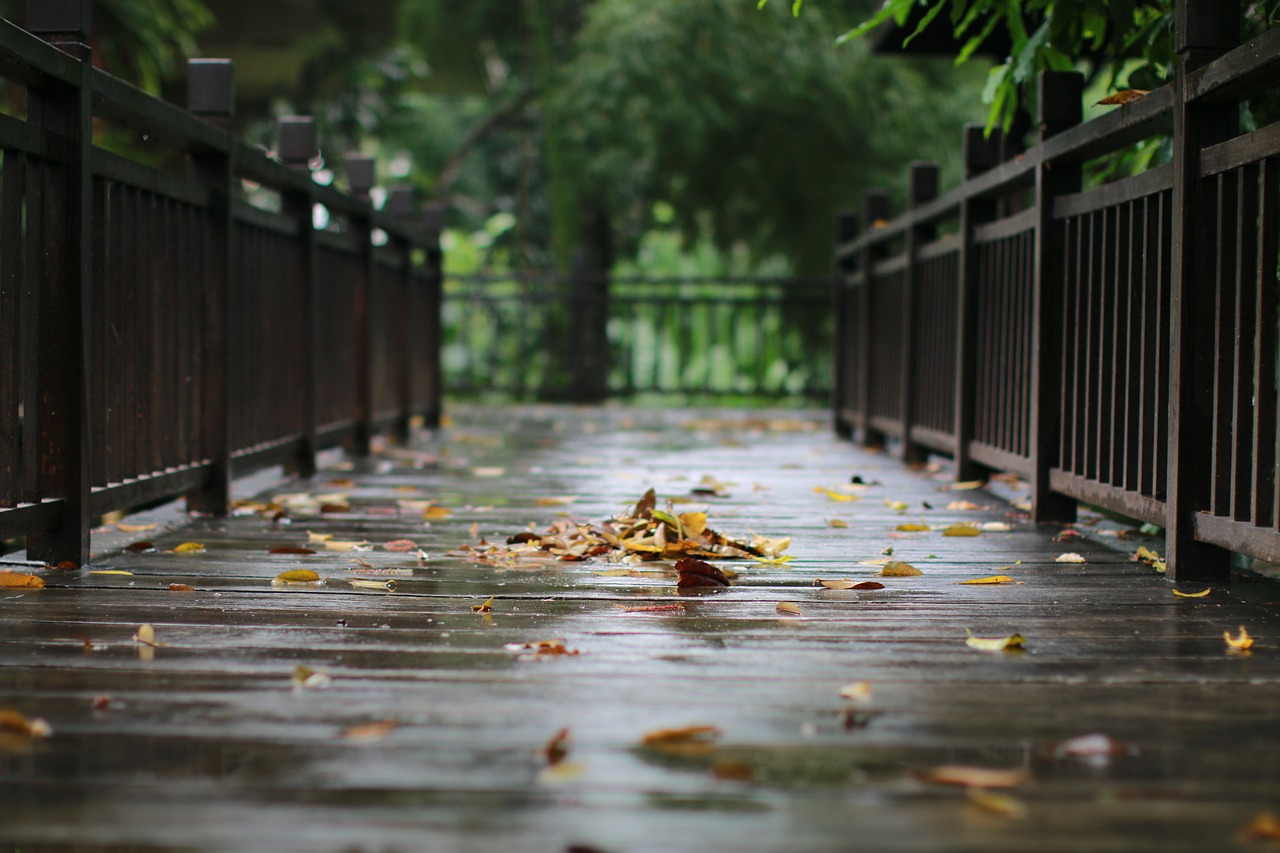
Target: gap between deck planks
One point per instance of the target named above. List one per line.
(207, 746)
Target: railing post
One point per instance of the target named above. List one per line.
(211, 96)
(401, 208)
(922, 187)
(433, 326)
(981, 152)
(57, 405)
(1060, 105)
(587, 346)
(296, 146)
(875, 213)
(843, 353)
(1204, 30)
(360, 180)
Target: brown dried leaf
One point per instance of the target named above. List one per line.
(995, 644)
(682, 735)
(436, 513)
(1265, 826)
(141, 547)
(1124, 96)
(789, 608)
(401, 545)
(291, 549)
(366, 732)
(696, 573)
(11, 580)
(557, 748)
(14, 722)
(181, 587)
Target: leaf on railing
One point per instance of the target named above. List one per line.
(1124, 96)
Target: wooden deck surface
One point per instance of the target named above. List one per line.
(204, 743)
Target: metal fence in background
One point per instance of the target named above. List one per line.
(579, 338)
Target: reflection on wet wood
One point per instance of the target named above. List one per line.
(209, 738)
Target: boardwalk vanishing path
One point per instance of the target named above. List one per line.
(422, 731)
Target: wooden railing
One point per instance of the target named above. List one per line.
(1116, 345)
(164, 330)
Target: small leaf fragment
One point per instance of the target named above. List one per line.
(555, 500)
(966, 485)
(134, 528)
(1070, 557)
(557, 748)
(401, 545)
(366, 732)
(789, 608)
(837, 522)
(337, 545)
(486, 607)
(12, 580)
(995, 526)
(859, 692)
(992, 579)
(382, 586)
(189, 548)
(1201, 594)
(146, 635)
(845, 583)
(1000, 805)
(109, 572)
(975, 777)
(1124, 96)
(899, 569)
(896, 506)
(962, 530)
(181, 587)
(698, 573)
(296, 576)
(14, 722)
(912, 528)
(681, 735)
(291, 549)
(1240, 642)
(436, 513)
(306, 678)
(995, 644)
(319, 537)
(1265, 826)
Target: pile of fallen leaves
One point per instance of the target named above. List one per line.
(640, 534)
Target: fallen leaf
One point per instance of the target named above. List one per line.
(698, 573)
(837, 522)
(771, 547)
(335, 545)
(859, 692)
(20, 580)
(1265, 826)
(728, 770)
(109, 572)
(134, 528)
(682, 735)
(1201, 594)
(899, 569)
(832, 494)
(1091, 746)
(319, 537)
(1000, 805)
(401, 545)
(1124, 96)
(995, 644)
(366, 732)
(306, 678)
(1146, 555)
(790, 608)
(896, 506)
(540, 649)
(1240, 642)
(557, 748)
(189, 548)
(291, 549)
(141, 547)
(436, 513)
(961, 530)
(296, 576)
(14, 722)
(383, 586)
(774, 561)
(912, 528)
(181, 587)
(995, 527)
(963, 506)
(486, 607)
(991, 579)
(845, 583)
(975, 777)
(488, 471)
(556, 500)
(1070, 557)
(146, 635)
(966, 485)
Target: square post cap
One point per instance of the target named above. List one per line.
(296, 140)
(211, 87)
(360, 173)
(400, 203)
(70, 19)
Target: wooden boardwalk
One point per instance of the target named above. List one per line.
(205, 742)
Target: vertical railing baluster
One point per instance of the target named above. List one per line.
(1060, 105)
(1204, 29)
(846, 333)
(401, 209)
(361, 176)
(922, 187)
(875, 212)
(296, 146)
(62, 340)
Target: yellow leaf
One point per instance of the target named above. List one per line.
(693, 522)
(774, 561)
(995, 644)
(991, 579)
(976, 777)
(146, 635)
(435, 513)
(388, 586)
(134, 528)
(837, 522)
(912, 528)
(859, 692)
(961, 530)
(331, 545)
(878, 561)
(189, 548)
(17, 579)
(560, 772)
(297, 576)
(899, 569)
(1201, 594)
(306, 678)
(109, 572)
(771, 547)
(1265, 826)
(1070, 557)
(1241, 641)
(832, 494)
(1000, 805)
(319, 537)
(14, 723)
(896, 506)
(788, 607)
(996, 526)
(486, 607)
(967, 485)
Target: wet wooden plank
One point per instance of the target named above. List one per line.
(204, 743)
